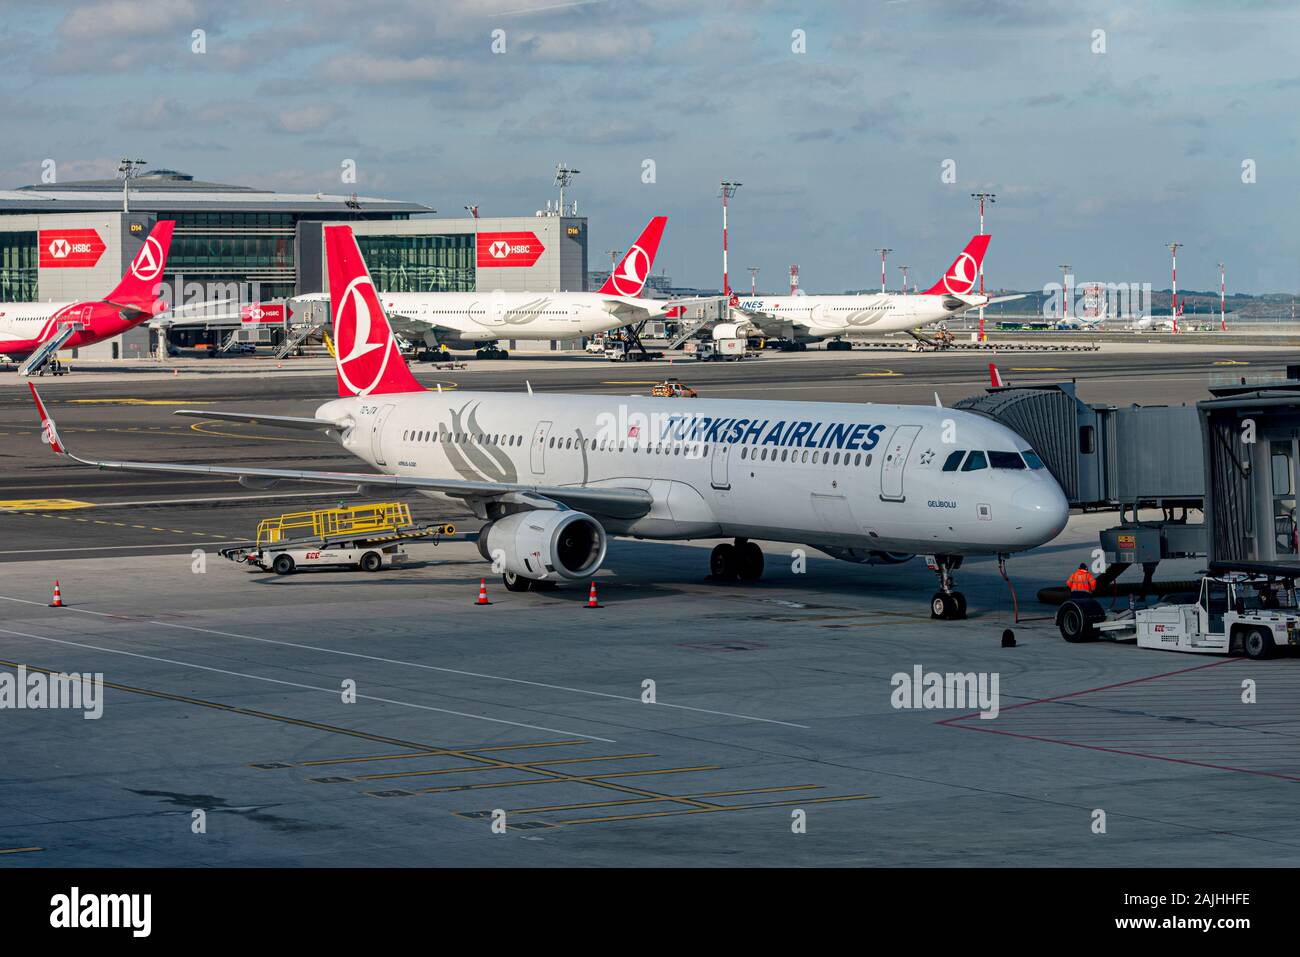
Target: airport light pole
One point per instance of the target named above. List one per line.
(1173, 302)
(473, 211)
(613, 260)
(884, 251)
(129, 168)
(563, 177)
(753, 281)
(983, 198)
(1065, 289)
(1223, 318)
(905, 269)
(794, 280)
(728, 190)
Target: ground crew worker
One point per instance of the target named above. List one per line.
(1082, 580)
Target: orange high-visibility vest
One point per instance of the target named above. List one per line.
(1081, 580)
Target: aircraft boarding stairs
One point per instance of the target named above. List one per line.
(49, 349)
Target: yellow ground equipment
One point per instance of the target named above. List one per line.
(366, 536)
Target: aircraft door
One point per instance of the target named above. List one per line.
(896, 451)
(721, 475)
(538, 453)
(497, 314)
(377, 434)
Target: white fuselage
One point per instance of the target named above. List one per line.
(833, 316)
(858, 476)
(28, 321)
(491, 316)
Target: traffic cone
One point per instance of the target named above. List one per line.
(57, 601)
(591, 598)
(482, 592)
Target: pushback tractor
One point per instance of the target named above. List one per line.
(1252, 612)
(369, 537)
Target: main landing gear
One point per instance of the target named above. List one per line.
(947, 604)
(492, 351)
(743, 560)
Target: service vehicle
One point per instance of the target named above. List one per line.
(674, 389)
(1253, 611)
(368, 537)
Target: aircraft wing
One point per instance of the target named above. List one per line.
(257, 418)
(611, 502)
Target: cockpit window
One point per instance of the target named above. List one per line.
(974, 462)
(953, 460)
(1032, 459)
(1005, 460)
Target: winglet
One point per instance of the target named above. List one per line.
(49, 432)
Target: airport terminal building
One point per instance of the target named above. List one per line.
(73, 240)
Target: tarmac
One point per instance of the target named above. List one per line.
(338, 718)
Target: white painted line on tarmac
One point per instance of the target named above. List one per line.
(416, 664)
(107, 548)
(293, 684)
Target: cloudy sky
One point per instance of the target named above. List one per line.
(1097, 158)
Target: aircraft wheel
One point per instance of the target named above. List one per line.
(722, 562)
(749, 562)
(943, 605)
(371, 562)
(515, 582)
(503, 354)
(960, 600)
(1257, 644)
(283, 565)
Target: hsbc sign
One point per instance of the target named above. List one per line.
(500, 250)
(70, 248)
(262, 314)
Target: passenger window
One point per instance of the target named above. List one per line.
(975, 462)
(1005, 460)
(950, 464)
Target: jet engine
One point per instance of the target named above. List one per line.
(862, 556)
(545, 543)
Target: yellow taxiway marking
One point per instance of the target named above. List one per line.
(1036, 369)
(655, 800)
(139, 401)
(516, 766)
(19, 850)
(1230, 362)
(631, 381)
(882, 374)
(198, 427)
(598, 779)
(432, 753)
(713, 809)
(49, 504)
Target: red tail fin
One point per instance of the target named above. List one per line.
(630, 275)
(963, 275)
(139, 286)
(367, 357)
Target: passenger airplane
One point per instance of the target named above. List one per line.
(29, 328)
(554, 475)
(801, 319)
(479, 320)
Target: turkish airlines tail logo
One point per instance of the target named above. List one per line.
(367, 358)
(963, 276)
(630, 275)
(141, 285)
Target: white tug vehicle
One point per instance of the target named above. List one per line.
(1236, 608)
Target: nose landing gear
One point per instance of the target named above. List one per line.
(947, 603)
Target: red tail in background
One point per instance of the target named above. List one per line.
(367, 358)
(995, 377)
(963, 276)
(630, 275)
(139, 286)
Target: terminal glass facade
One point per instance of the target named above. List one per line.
(234, 247)
(425, 263)
(18, 265)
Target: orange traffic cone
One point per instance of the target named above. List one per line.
(591, 598)
(57, 601)
(482, 592)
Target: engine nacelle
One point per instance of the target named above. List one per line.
(545, 543)
(732, 330)
(862, 556)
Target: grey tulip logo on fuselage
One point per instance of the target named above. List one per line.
(475, 459)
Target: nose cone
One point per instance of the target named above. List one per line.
(1041, 511)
